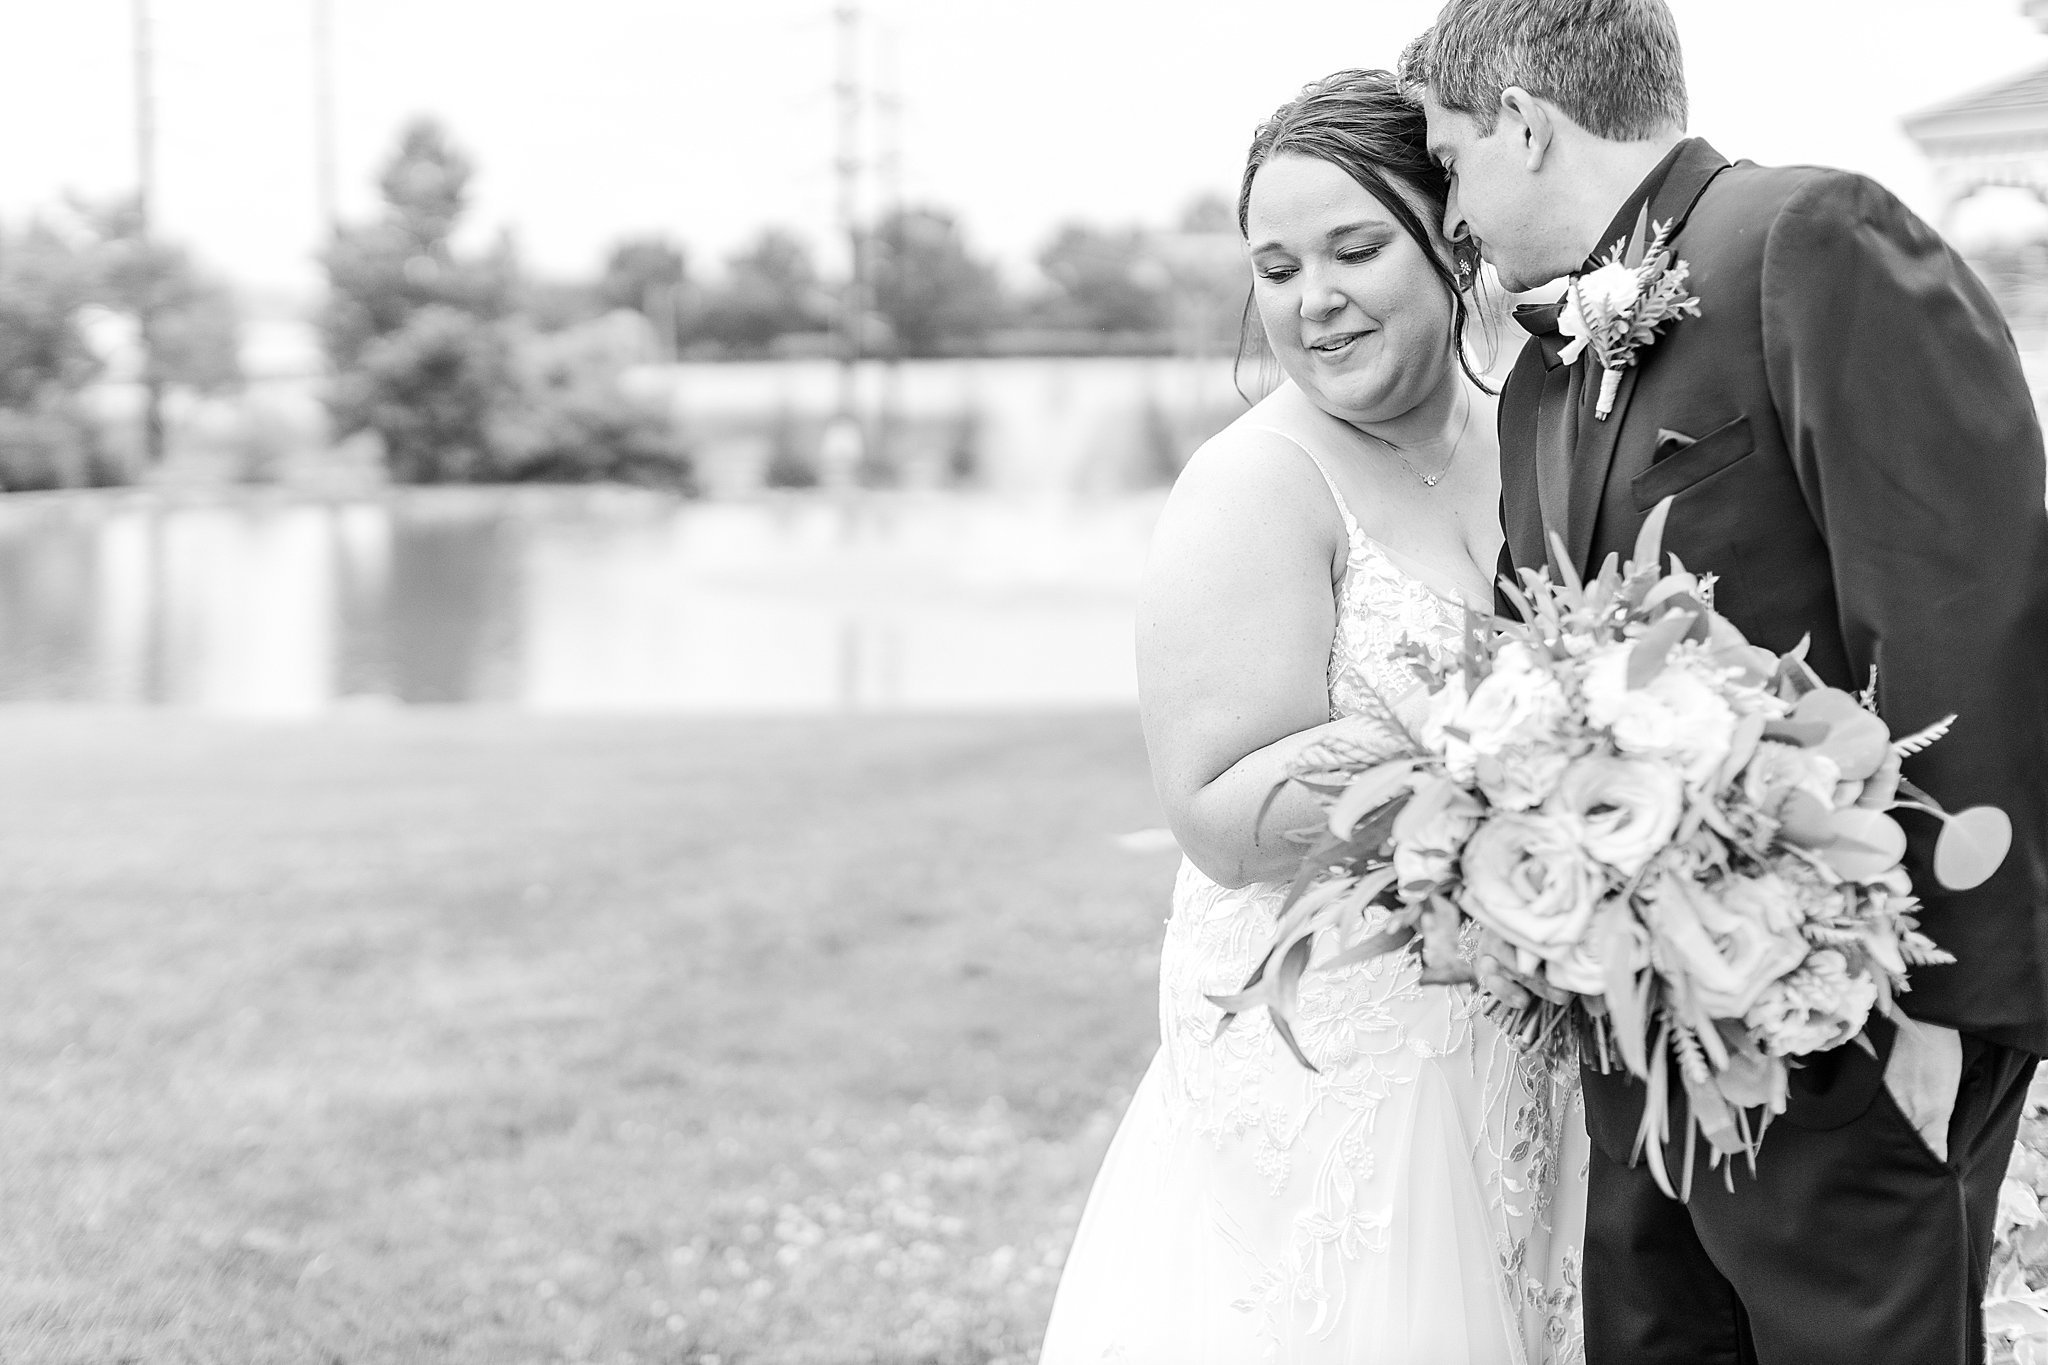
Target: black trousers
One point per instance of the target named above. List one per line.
(1852, 1242)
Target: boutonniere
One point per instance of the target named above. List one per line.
(1617, 308)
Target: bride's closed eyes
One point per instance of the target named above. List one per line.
(1275, 265)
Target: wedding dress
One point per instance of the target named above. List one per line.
(1417, 1200)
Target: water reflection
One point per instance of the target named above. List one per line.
(569, 600)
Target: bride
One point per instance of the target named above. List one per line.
(1418, 1198)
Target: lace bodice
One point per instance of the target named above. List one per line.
(1376, 1035)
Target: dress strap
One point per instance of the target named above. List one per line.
(1353, 532)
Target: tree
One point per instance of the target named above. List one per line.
(381, 274)
(433, 390)
(409, 325)
(579, 424)
(431, 351)
(1104, 280)
(43, 286)
(932, 292)
(195, 325)
(770, 290)
(45, 441)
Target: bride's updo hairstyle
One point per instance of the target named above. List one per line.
(1362, 123)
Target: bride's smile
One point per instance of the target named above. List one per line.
(1350, 301)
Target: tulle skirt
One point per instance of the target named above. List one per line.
(1420, 1202)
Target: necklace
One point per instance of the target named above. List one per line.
(1431, 480)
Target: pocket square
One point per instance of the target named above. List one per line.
(1669, 443)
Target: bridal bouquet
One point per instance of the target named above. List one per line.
(1681, 836)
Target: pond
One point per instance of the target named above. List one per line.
(570, 600)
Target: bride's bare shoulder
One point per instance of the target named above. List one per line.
(1254, 467)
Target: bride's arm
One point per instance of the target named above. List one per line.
(1234, 626)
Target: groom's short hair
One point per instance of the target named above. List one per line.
(1613, 66)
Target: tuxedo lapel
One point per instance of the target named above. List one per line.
(1595, 457)
(1693, 167)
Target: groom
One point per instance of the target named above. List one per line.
(1853, 451)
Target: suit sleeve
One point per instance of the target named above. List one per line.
(1915, 441)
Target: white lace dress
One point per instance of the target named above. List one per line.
(1417, 1201)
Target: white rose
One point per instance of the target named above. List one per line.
(1578, 970)
(1677, 714)
(1728, 950)
(1428, 835)
(1528, 879)
(1520, 702)
(1705, 721)
(1520, 776)
(1628, 809)
(1446, 712)
(1777, 770)
(1604, 683)
(1603, 293)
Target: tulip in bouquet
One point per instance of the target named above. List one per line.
(1683, 837)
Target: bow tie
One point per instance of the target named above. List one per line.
(1539, 320)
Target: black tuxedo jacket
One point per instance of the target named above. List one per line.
(1854, 451)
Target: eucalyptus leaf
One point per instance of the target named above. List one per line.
(1622, 955)
(1650, 540)
(1651, 1131)
(1857, 741)
(1567, 575)
(1368, 791)
(1681, 588)
(1518, 599)
(1973, 843)
(1803, 821)
(1646, 659)
(1286, 1032)
(1806, 734)
(1286, 993)
(1749, 731)
(1379, 945)
(1374, 834)
(1867, 844)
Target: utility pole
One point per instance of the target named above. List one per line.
(323, 116)
(145, 235)
(889, 175)
(853, 299)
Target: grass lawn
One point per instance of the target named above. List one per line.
(469, 1037)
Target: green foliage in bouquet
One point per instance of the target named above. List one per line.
(1681, 841)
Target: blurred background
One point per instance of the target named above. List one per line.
(566, 579)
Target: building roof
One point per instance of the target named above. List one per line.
(2018, 103)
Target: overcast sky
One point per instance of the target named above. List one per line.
(592, 119)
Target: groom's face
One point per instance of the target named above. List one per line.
(1495, 197)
